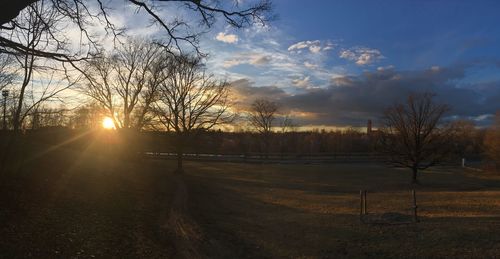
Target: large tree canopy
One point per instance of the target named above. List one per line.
(85, 14)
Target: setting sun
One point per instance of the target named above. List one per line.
(108, 123)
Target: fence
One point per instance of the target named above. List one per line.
(388, 208)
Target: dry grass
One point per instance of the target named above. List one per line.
(312, 211)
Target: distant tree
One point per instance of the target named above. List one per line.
(191, 101)
(465, 138)
(492, 141)
(287, 124)
(87, 116)
(261, 116)
(43, 116)
(6, 73)
(413, 136)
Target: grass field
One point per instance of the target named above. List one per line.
(78, 205)
(312, 211)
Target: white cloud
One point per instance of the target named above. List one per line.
(255, 59)
(302, 82)
(314, 46)
(361, 55)
(315, 49)
(328, 46)
(310, 65)
(389, 67)
(435, 68)
(227, 38)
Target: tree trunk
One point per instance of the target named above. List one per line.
(179, 162)
(414, 179)
(180, 154)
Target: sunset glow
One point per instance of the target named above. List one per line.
(108, 123)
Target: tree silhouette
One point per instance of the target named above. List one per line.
(413, 136)
(124, 81)
(261, 116)
(85, 15)
(492, 141)
(191, 101)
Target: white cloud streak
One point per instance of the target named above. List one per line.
(361, 55)
(227, 38)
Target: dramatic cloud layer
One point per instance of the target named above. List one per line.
(352, 100)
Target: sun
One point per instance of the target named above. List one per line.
(108, 123)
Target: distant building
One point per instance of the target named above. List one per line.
(370, 132)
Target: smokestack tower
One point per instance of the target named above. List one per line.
(369, 128)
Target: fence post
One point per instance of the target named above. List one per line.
(361, 205)
(364, 203)
(415, 217)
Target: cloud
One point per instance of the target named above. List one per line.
(302, 82)
(256, 59)
(389, 67)
(352, 100)
(227, 38)
(314, 46)
(361, 55)
(260, 60)
(245, 93)
(310, 65)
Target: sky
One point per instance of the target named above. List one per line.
(339, 63)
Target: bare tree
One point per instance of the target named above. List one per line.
(84, 15)
(492, 141)
(261, 116)
(191, 101)
(33, 32)
(87, 116)
(6, 72)
(466, 138)
(126, 80)
(413, 136)
(45, 116)
(287, 124)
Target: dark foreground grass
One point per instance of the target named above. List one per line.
(312, 211)
(85, 204)
(91, 203)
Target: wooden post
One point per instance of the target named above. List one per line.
(415, 217)
(364, 203)
(361, 205)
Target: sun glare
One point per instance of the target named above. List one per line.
(108, 123)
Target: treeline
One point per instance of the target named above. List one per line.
(469, 144)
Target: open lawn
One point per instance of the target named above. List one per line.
(312, 211)
(68, 204)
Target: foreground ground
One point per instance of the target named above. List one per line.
(81, 205)
(312, 211)
(87, 204)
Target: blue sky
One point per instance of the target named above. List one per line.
(411, 34)
(340, 63)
